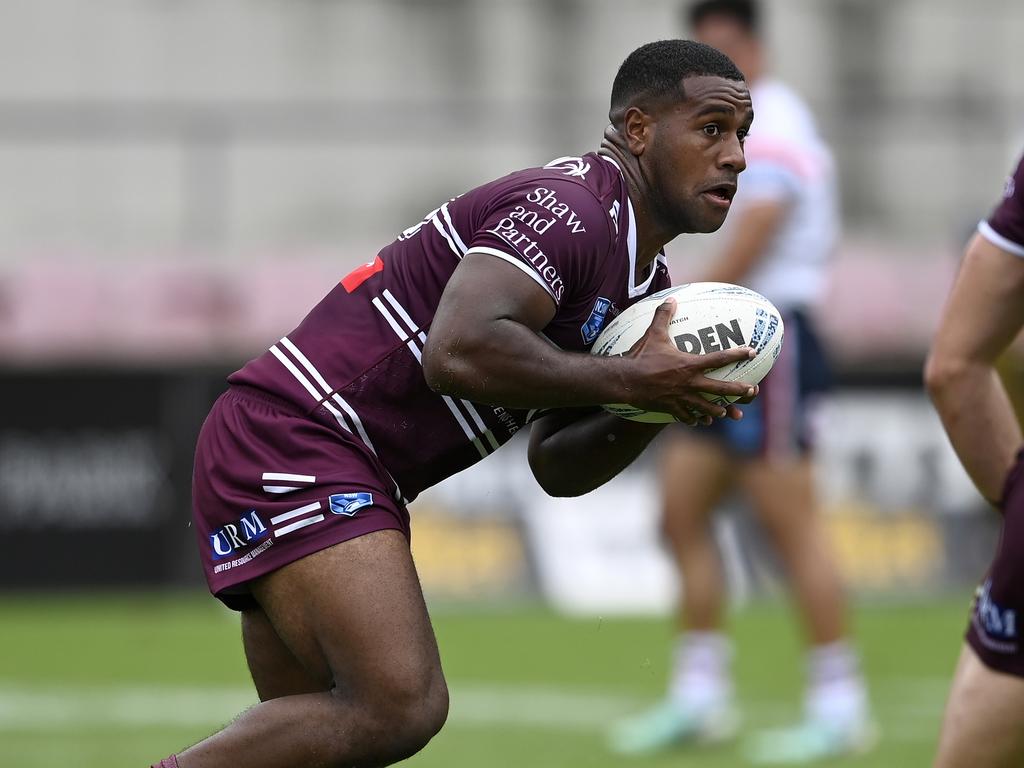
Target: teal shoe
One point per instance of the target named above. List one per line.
(811, 741)
(669, 724)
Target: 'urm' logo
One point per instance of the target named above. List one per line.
(234, 536)
(712, 339)
(997, 621)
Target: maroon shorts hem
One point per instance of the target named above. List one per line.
(997, 655)
(995, 631)
(271, 486)
(234, 592)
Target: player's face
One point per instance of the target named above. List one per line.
(696, 153)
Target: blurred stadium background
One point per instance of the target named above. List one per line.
(180, 181)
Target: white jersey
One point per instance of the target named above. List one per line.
(787, 161)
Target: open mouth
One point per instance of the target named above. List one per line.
(722, 193)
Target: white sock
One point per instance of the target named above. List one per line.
(701, 674)
(835, 689)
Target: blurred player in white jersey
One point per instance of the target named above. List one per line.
(780, 239)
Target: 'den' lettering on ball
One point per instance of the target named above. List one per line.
(709, 317)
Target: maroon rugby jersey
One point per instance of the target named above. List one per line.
(569, 226)
(1005, 227)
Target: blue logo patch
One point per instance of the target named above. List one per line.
(592, 328)
(238, 535)
(349, 503)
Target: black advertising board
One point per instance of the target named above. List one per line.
(95, 469)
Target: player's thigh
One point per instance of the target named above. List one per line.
(782, 494)
(694, 473)
(984, 722)
(275, 670)
(353, 615)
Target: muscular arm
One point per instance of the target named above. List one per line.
(984, 312)
(572, 452)
(754, 233)
(484, 345)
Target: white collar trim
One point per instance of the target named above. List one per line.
(634, 289)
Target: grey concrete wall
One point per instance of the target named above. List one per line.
(235, 126)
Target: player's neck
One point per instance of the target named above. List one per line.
(651, 233)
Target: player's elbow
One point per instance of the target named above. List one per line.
(557, 480)
(447, 369)
(559, 487)
(937, 374)
(944, 372)
(438, 371)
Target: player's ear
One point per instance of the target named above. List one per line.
(636, 128)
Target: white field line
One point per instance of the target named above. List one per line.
(909, 710)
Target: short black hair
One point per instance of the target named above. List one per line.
(746, 13)
(655, 71)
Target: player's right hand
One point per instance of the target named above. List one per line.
(669, 380)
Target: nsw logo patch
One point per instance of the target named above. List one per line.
(592, 328)
(349, 503)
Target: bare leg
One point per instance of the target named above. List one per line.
(984, 722)
(783, 495)
(837, 718)
(275, 670)
(698, 706)
(353, 617)
(694, 479)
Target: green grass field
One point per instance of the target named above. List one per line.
(110, 681)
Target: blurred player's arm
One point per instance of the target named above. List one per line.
(752, 236)
(485, 345)
(984, 312)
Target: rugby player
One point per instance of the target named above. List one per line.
(984, 721)
(473, 324)
(782, 233)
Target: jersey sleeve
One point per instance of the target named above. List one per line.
(1005, 227)
(554, 230)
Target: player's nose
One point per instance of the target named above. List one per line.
(732, 156)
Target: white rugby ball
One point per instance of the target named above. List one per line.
(709, 317)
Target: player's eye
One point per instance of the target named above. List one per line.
(742, 134)
(712, 129)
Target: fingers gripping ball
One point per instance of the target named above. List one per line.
(708, 317)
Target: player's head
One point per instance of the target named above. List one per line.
(731, 26)
(652, 76)
(682, 109)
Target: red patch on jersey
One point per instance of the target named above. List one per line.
(361, 274)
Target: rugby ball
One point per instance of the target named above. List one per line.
(709, 317)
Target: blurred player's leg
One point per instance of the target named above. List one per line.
(352, 614)
(783, 498)
(694, 476)
(984, 722)
(837, 719)
(699, 706)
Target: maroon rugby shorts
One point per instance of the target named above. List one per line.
(272, 484)
(994, 631)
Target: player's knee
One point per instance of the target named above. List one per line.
(413, 715)
(421, 711)
(399, 718)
